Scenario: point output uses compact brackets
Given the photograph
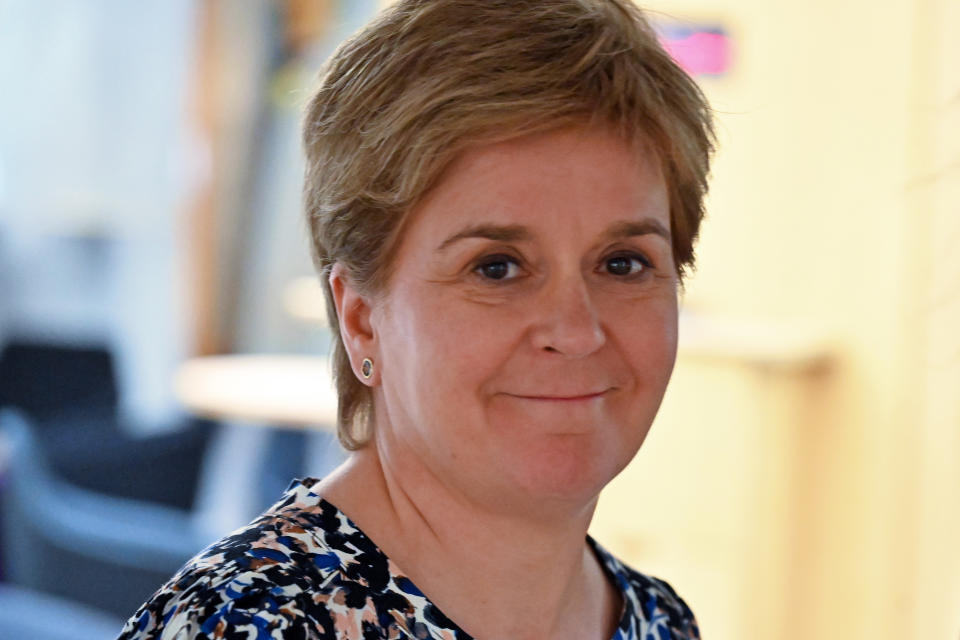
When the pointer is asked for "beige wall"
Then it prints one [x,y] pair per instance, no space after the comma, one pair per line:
[936,192]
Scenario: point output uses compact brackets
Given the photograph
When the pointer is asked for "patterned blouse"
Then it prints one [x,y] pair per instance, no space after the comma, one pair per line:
[304,571]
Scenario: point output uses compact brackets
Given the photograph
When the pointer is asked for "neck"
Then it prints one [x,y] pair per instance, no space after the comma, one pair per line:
[509,564]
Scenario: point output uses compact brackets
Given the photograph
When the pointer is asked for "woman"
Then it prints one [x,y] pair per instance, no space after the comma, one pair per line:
[503,196]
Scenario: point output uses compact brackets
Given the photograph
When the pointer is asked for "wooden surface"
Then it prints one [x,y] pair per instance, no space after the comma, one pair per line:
[275,389]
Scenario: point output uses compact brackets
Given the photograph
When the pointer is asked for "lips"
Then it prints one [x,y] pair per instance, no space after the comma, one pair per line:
[560,397]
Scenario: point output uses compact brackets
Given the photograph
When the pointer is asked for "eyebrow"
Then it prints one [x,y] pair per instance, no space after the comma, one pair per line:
[519,233]
[644,227]
[500,233]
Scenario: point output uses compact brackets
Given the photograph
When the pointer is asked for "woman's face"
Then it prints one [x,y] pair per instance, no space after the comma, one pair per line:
[529,327]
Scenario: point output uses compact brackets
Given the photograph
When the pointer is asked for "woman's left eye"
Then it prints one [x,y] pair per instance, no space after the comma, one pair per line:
[626,265]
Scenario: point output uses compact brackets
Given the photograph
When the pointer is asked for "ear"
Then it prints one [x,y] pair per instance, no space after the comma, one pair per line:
[356,330]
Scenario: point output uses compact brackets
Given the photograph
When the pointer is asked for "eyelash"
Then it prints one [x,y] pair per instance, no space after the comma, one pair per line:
[510,261]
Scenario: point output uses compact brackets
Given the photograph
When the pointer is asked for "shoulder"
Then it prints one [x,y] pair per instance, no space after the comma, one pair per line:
[279,577]
[652,606]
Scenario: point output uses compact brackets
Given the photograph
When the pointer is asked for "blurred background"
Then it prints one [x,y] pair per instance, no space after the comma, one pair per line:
[162,342]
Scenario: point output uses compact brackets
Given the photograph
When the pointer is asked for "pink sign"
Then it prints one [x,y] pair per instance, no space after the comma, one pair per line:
[703,51]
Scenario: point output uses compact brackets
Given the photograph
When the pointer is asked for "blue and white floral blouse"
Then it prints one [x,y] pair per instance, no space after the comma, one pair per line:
[304,571]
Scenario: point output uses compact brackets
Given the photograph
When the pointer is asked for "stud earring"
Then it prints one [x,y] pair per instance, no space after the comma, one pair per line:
[366,368]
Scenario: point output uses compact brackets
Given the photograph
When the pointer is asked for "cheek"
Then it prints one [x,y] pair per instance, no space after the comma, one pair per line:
[648,340]
[447,344]
[666,345]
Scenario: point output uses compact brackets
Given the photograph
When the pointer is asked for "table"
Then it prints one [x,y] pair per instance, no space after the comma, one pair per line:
[285,390]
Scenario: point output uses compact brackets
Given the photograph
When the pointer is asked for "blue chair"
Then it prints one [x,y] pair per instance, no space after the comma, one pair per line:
[44,379]
[29,615]
[104,551]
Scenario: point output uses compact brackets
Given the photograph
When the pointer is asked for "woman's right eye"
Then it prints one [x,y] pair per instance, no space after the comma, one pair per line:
[498,268]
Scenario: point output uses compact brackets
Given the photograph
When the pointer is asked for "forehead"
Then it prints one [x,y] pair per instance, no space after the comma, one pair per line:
[582,176]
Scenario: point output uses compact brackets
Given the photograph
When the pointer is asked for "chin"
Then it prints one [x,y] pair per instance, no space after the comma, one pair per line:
[568,468]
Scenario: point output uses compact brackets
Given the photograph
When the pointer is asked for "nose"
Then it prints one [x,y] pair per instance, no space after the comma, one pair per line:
[567,320]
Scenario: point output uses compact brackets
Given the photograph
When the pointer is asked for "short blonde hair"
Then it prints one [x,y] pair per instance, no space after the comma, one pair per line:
[428,78]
